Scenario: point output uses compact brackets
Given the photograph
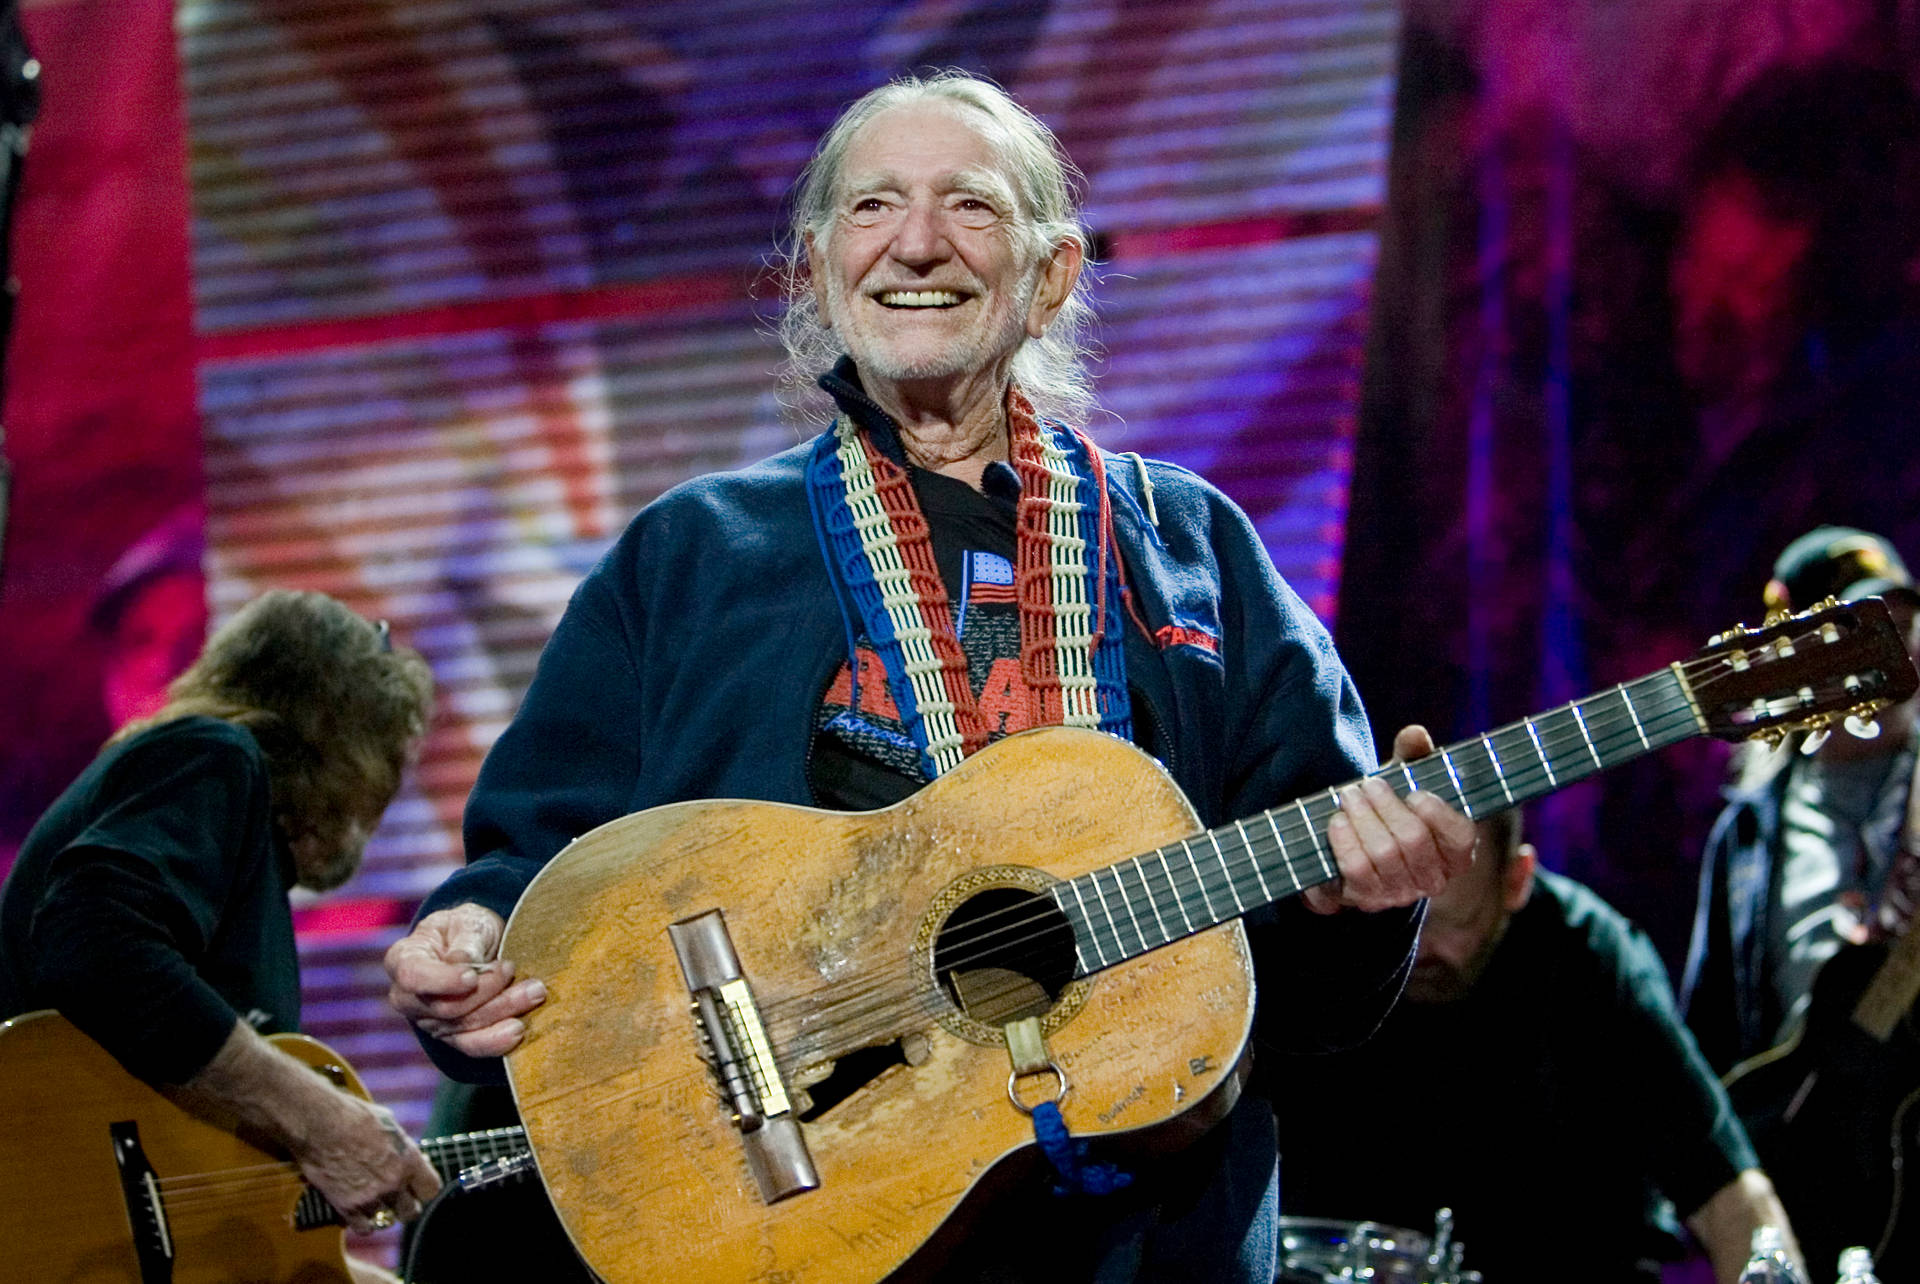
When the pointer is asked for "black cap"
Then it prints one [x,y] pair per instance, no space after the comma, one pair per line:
[1839,562]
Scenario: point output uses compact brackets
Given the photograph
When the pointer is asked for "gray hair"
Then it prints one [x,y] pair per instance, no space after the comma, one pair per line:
[1051,370]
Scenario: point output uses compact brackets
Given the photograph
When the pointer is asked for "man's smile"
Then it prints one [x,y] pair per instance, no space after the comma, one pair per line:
[920,298]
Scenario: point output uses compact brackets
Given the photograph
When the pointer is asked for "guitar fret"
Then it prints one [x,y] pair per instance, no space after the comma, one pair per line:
[1178,899]
[1535,737]
[1247,843]
[1326,866]
[1581,720]
[1119,946]
[1200,878]
[1153,902]
[1634,714]
[1413,786]
[1121,889]
[1093,935]
[1500,772]
[1286,859]
[1080,965]
[1226,869]
[1458,792]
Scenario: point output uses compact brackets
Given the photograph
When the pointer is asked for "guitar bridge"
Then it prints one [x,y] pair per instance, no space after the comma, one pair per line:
[152,1240]
[741,1057]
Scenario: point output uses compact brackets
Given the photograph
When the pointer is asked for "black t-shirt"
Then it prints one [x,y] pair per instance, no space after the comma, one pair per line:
[863,756]
[1551,1109]
[149,905]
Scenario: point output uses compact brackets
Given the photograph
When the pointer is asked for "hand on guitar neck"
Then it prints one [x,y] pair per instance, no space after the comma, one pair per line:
[449,980]
[1393,851]
[349,1149]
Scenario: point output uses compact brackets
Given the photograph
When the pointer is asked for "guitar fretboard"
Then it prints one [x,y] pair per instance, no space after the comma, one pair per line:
[1161,896]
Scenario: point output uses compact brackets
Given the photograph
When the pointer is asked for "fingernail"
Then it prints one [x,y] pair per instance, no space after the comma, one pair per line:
[537,991]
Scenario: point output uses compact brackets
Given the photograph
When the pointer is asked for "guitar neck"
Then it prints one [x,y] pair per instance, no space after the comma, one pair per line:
[450,1156]
[1890,995]
[1150,900]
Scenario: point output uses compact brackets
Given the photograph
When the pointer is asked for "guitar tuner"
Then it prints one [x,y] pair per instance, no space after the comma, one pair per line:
[1867,728]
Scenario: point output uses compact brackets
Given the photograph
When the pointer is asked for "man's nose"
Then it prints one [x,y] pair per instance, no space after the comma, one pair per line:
[921,237]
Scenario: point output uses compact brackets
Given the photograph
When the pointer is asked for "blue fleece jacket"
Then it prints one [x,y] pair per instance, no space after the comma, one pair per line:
[692,659]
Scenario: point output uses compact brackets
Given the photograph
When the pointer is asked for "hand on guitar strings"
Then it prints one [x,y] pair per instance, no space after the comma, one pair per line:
[1393,851]
[449,981]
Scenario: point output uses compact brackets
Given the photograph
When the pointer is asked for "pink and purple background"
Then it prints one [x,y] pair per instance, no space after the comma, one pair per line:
[417,301]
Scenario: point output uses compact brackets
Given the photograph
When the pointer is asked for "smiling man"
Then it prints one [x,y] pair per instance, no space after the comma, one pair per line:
[949,562]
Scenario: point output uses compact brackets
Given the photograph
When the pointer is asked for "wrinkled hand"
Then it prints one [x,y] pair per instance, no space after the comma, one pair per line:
[449,981]
[1393,851]
[355,1154]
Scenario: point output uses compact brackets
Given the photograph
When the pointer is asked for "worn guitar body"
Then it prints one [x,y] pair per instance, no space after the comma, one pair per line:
[1835,1117]
[63,1213]
[634,1140]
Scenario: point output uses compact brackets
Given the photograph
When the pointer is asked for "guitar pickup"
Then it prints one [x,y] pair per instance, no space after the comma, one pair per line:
[741,1057]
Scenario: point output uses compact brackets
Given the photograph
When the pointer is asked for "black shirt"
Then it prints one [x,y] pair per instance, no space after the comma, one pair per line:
[149,905]
[1550,1109]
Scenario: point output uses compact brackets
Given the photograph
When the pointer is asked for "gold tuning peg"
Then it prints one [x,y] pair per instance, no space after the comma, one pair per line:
[1737,631]
[1778,615]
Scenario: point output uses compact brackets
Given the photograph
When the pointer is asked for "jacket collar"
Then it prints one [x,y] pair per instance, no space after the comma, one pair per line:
[843,383]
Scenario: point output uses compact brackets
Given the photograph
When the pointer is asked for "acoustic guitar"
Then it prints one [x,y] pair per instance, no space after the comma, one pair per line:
[103,1179]
[793,1046]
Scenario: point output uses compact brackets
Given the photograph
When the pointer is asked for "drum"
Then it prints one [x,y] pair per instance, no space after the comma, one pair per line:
[1318,1250]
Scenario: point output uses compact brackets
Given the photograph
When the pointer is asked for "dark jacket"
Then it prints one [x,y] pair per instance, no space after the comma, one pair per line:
[691,661]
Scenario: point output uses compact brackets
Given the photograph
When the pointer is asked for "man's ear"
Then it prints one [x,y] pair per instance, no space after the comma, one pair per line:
[814,279]
[1516,881]
[1057,280]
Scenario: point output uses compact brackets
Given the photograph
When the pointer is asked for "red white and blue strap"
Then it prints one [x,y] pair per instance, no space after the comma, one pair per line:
[1071,639]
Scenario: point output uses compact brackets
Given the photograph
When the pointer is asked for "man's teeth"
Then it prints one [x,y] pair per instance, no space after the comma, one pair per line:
[919,298]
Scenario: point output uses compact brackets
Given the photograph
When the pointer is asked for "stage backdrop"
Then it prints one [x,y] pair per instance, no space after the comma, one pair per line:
[1645,312]
[472,282]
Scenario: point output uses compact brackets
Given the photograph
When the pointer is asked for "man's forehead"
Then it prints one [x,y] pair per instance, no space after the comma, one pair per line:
[971,178]
[953,146]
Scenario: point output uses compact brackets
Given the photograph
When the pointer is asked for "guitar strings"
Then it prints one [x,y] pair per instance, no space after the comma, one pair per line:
[859,1020]
[867,1010]
[871,1009]
[192,1197]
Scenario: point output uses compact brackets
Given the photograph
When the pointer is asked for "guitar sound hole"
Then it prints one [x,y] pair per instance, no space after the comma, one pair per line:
[1004,955]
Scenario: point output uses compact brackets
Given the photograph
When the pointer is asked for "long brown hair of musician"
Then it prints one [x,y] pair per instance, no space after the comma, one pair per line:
[336,709]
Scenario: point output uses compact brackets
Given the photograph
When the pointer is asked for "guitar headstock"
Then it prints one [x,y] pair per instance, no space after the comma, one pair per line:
[1801,672]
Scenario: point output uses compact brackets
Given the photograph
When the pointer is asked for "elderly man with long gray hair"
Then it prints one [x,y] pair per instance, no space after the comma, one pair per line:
[751,636]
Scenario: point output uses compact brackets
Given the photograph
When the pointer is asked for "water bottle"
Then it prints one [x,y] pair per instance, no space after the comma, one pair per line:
[1770,1263]
[1856,1267]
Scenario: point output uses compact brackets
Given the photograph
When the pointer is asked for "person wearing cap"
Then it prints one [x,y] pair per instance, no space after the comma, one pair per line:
[1811,851]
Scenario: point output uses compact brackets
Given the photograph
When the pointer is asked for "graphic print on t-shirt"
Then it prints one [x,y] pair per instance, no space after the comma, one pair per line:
[987,622]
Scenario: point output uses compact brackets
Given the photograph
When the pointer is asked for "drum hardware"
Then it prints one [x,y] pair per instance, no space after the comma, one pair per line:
[1317,1250]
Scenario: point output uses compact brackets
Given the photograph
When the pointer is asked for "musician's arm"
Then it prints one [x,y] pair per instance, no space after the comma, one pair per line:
[1297,726]
[1724,1225]
[135,899]
[1694,1145]
[350,1149]
[567,762]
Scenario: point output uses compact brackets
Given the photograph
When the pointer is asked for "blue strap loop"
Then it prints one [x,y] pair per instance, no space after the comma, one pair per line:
[1068,1157]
